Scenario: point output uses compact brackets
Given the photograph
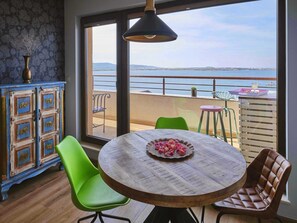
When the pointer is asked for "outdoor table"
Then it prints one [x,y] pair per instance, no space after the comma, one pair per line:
[213,172]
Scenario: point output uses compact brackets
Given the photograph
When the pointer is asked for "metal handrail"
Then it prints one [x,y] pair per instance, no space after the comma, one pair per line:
[166,85]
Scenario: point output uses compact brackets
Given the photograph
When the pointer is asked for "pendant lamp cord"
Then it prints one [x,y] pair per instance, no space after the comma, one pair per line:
[150,5]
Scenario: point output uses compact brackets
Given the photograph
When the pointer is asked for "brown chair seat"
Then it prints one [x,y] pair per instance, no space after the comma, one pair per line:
[267,176]
[246,199]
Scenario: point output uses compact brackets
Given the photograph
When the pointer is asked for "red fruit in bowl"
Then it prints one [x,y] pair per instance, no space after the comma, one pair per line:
[161,151]
[181,152]
[171,141]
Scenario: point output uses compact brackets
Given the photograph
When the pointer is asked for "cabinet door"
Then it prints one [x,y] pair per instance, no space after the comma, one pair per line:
[22,129]
[49,127]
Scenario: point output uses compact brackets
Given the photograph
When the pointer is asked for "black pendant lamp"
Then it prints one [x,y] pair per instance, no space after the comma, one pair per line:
[150,28]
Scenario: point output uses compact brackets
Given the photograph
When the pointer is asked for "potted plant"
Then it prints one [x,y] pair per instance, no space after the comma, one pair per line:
[194,92]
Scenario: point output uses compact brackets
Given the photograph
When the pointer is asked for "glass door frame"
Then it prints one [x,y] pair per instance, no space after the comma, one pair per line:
[122,77]
[123,82]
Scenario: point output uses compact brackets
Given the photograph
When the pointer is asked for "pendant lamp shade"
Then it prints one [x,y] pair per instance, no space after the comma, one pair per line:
[150,28]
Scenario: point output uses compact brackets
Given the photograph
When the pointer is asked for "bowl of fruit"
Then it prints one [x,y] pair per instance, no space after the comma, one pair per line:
[169,148]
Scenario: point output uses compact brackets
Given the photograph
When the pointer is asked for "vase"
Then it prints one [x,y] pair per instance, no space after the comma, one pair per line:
[27,76]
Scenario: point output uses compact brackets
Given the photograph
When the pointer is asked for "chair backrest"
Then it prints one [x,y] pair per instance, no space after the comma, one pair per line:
[171,123]
[223,95]
[76,162]
[99,100]
[270,172]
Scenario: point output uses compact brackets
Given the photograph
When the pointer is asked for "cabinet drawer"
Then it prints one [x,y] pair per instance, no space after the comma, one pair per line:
[49,99]
[22,103]
[49,124]
[48,147]
[22,158]
[22,130]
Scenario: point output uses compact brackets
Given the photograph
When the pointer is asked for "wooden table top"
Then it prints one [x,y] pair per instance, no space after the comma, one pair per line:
[215,171]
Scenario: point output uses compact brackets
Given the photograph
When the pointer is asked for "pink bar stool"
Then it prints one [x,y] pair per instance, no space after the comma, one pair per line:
[214,109]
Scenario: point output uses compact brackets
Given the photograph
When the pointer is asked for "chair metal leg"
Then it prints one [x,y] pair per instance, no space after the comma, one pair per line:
[193,215]
[219,217]
[259,220]
[222,126]
[94,216]
[202,214]
[100,217]
[207,124]
[114,217]
[104,121]
[235,122]
[200,123]
[214,124]
[230,126]
[94,219]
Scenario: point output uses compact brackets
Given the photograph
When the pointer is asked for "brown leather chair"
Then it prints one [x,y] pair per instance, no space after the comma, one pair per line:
[266,180]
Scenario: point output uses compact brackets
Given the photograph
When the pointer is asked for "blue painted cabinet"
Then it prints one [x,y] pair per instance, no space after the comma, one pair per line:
[31,124]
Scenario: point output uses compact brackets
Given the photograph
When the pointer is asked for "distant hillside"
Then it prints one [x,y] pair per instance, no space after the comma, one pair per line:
[112,67]
[104,66]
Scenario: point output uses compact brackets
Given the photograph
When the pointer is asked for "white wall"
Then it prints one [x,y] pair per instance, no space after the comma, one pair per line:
[74,9]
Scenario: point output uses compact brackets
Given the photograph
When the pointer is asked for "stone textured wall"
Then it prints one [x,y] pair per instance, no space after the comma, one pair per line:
[35,28]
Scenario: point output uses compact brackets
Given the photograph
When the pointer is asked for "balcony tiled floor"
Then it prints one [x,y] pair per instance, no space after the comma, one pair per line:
[110,129]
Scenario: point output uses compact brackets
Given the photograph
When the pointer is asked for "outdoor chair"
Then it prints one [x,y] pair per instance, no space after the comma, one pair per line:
[229,112]
[266,181]
[99,105]
[214,110]
[89,192]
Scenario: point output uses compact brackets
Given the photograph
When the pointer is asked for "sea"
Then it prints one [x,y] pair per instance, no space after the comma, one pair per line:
[106,80]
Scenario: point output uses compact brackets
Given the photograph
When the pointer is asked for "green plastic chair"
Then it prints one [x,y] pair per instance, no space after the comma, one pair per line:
[89,192]
[171,123]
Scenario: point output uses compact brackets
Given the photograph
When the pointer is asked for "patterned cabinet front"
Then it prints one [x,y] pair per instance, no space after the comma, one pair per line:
[49,127]
[22,131]
[31,125]
[22,158]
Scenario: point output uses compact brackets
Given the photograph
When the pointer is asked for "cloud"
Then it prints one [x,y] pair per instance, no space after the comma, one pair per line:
[231,35]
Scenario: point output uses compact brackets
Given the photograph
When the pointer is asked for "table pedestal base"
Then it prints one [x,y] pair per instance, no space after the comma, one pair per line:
[164,215]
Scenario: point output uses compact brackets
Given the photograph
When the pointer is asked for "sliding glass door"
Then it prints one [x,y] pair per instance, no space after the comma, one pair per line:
[100,86]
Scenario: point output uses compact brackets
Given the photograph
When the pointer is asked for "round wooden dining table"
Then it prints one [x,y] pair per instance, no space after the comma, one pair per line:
[214,171]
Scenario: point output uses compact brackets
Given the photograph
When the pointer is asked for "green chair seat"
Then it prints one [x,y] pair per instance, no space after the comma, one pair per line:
[89,191]
[99,198]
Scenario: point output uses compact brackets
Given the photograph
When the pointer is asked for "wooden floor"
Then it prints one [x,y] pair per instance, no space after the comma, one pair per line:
[46,198]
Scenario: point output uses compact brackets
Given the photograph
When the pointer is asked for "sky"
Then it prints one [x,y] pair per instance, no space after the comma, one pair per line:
[236,35]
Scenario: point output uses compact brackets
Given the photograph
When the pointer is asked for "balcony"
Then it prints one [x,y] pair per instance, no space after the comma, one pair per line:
[152,97]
